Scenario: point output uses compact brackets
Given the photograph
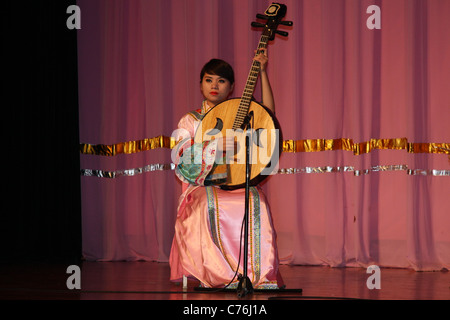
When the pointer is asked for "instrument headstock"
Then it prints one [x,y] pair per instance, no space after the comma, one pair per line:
[273,16]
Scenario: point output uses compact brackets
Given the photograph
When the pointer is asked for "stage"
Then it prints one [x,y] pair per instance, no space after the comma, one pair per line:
[363,173]
[149,281]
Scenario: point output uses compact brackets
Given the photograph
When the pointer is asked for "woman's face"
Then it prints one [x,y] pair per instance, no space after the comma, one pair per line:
[215,89]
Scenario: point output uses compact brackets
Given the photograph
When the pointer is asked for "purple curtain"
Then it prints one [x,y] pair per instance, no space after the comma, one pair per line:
[365,115]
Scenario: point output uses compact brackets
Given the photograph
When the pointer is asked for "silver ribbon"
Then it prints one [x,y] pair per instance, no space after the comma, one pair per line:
[327,169]
[401,167]
[127,172]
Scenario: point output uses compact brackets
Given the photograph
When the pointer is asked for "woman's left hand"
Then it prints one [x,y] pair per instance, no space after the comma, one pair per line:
[262,59]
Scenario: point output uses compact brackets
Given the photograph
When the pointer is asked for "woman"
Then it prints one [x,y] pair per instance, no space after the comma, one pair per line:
[208,227]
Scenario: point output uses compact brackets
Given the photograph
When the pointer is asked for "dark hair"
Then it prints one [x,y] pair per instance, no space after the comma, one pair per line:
[218,67]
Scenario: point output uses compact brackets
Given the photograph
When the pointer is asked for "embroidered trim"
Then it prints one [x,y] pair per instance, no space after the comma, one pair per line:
[212,215]
[268,285]
[214,220]
[197,114]
[256,234]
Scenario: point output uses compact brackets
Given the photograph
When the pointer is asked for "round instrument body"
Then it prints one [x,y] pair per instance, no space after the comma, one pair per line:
[265,141]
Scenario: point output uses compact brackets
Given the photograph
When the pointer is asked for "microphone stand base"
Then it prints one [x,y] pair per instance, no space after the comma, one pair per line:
[245,287]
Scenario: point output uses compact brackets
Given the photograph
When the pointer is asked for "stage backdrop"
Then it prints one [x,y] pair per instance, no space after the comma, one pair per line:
[362,96]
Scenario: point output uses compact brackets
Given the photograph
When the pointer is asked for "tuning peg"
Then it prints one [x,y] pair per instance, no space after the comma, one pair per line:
[257,25]
[262,16]
[281,33]
[286,23]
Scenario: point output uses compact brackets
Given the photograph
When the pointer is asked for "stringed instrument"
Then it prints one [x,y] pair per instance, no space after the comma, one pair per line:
[243,116]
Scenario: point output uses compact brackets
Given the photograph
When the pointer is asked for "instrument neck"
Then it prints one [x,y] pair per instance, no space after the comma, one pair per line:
[250,86]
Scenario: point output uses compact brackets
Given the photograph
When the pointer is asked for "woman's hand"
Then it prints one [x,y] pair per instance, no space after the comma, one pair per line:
[262,59]
[266,90]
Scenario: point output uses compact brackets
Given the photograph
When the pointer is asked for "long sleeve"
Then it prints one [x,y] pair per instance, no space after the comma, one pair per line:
[194,161]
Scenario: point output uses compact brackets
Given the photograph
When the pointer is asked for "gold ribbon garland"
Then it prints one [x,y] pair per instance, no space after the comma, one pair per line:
[127,147]
[292,146]
[314,145]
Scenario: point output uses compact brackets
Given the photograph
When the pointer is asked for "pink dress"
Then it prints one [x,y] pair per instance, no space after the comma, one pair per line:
[208,228]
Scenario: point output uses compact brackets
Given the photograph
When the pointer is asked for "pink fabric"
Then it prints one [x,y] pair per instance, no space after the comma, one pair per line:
[139,65]
[208,241]
[213,258]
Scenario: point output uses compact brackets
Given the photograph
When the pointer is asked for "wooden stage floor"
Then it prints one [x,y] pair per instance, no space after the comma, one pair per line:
[149,281]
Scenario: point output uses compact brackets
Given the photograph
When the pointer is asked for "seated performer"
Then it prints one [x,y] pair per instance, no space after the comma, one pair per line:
[208,227]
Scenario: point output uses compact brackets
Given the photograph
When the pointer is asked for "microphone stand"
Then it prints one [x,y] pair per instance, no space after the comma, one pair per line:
[245,285]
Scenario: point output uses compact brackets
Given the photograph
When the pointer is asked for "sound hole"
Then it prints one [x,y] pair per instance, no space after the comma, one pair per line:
[257,138]
[217,128]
